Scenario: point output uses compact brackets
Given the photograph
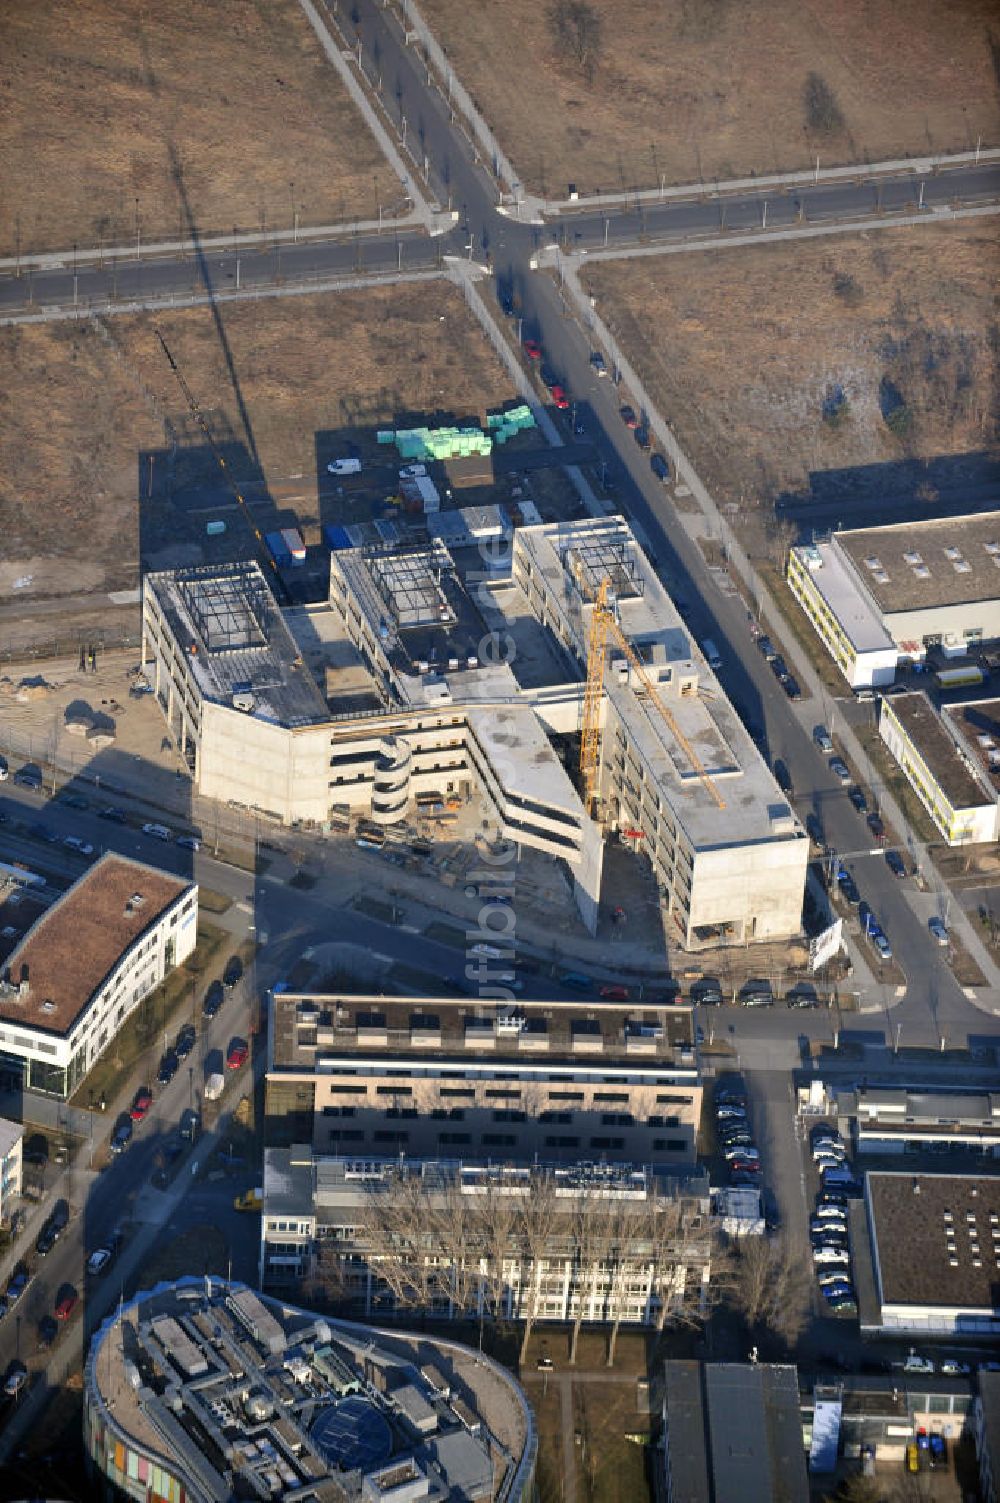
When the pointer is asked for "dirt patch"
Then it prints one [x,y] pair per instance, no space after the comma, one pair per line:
[685,90]
[101,460]
[217,115]
[774,362]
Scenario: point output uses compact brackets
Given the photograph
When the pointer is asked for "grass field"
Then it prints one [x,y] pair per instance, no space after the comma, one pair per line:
[742,351]
[217,115]
[686,89]
[98,449]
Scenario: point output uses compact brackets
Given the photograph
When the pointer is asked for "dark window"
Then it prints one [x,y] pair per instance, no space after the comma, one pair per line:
[561,1142]
[454,1137]
[499,1140]
[394,1090]
[607,1142]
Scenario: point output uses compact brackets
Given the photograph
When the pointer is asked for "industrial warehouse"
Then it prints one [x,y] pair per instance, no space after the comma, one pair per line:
[428,672]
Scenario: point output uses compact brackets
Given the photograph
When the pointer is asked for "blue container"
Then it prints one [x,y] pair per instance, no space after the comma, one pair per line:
[278,548]
[336,538]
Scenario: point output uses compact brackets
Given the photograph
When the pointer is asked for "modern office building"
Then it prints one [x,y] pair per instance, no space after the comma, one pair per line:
[935,1254]
[879,595]
[427,673]
[732,1433]
[465,1077]
[11,1141]
[958,789]
[86,964]
[612,1243]
[202,1391]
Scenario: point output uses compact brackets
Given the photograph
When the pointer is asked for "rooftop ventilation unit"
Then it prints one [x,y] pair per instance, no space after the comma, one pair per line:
[912,558]
[952,554]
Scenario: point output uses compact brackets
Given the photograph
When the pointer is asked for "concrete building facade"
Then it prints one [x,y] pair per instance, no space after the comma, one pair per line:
[418,677]
[86,964]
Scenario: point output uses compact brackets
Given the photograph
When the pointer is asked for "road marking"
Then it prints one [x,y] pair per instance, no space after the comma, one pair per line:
[901,991]
[411,928]
[244,907]
[970,993]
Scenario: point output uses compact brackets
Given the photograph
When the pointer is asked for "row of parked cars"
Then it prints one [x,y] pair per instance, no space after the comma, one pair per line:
[828,1227]
[734,1135]
[779,667]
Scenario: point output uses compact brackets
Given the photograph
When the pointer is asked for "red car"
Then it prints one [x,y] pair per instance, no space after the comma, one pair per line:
[140,1106]
[629,418]
[532,349]
[614,993]
[66,1305]
[237,1055]
[560,398]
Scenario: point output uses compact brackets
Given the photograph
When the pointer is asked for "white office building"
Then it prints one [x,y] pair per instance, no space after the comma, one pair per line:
[423,675]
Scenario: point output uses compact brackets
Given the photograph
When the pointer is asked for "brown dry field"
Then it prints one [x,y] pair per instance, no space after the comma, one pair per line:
[692,89]
[81,415]
[109,101]
[739,348]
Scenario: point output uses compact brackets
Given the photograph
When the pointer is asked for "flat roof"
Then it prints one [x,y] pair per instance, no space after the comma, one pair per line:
[831,576]
[686,1432]
[949,768]
[75,944]
[230,1387]
[11,1134]
[918,1263]
[227,624]
[917,565]
[977,725]
[570,556]
[428,1029]
[755,1428]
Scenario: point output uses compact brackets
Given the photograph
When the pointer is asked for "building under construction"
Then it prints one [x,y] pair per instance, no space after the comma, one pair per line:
[432,673]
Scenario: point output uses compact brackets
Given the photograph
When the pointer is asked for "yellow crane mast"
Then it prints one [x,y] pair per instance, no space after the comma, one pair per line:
[604,622]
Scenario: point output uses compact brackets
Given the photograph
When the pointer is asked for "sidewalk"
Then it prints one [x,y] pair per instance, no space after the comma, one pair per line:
[771,618]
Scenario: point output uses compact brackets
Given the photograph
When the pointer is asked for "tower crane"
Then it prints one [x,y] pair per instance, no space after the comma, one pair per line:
[604,623]
[220,460]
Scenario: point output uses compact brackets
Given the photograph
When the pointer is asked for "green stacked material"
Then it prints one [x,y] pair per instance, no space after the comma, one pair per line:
[385,436]
[449,443]
[509,422]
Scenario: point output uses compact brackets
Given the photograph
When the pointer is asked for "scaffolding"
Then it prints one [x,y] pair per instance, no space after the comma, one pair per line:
[228,605]
[409,585]
[605,558]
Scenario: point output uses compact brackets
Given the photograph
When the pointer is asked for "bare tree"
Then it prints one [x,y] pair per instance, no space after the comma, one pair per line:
[576,27]
[538,1213]
[690,1272]
[770,1285]
[497,1219]
[395,1228]
[625,1259]
[587,1241]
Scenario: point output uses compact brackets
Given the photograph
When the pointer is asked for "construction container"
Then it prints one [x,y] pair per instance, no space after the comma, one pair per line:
[293,542]
[278,548]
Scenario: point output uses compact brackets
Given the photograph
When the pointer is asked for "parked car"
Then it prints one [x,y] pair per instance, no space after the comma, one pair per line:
[858,799]
[532,349]
[236,1055]
[883,947]
[19,1282]
[914,1363]
[214,998]
[185,1041]
[939,931]
[66,1303]
[659,467]
[840,769]
[642,438]
[233,972]
[27,778]
[559,397]
[121,1137]
[614,993]
[767,647]
[895,863]
[814,829]
[141,1103]
[157,832]
[877,827]
[849,888]
[790,684]
[114,816]
[188,842]
[597,361]
[756,994]
[823,739]
[169,1066]
[15,1379]
[74,843]
[954,1369]
[99,1260]
[46,1239]
[628,417]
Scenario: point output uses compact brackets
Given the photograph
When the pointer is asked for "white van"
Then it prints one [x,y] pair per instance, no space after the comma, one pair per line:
[344,467]
[711,653]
